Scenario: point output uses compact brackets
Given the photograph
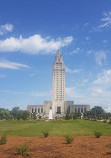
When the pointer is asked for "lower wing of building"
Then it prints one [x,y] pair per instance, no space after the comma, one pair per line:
[60,111]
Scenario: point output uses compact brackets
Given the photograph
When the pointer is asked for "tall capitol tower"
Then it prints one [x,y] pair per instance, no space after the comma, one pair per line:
[58,107]
[58,85]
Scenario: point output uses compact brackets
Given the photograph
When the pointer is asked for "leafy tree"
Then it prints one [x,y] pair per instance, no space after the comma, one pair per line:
[25,115]
[19,115]
[87,115]
[5,114]
[97,112]
[15,112]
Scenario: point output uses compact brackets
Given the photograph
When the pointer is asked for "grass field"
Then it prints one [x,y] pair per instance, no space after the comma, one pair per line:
[55,128]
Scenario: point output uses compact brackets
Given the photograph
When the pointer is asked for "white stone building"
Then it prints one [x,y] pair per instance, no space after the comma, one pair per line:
[58,104]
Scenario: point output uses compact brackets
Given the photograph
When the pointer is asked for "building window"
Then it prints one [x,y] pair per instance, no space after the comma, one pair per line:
[78,110]
[38,110]
[81,110]
[58,110]
[32,110]
[85,110]
[35,110]
[68,110]
[41,110]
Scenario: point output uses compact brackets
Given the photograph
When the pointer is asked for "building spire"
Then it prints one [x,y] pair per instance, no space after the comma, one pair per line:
[58,53]
[59,56]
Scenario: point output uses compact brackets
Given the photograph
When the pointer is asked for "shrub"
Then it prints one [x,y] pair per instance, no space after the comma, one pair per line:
[46,134]
[108,153]
[75,117]
[110,122]
[105,121]
[23,150]
[3,140]
[97,134]
[68,139]
[109,145]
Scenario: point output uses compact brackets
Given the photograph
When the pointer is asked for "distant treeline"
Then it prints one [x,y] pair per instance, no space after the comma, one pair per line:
[98,112]
[14,114]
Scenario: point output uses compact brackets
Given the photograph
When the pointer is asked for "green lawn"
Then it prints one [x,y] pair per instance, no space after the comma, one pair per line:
[55,128]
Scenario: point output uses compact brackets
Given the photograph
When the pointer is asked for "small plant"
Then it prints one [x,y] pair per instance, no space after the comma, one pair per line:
[3,140]
[97,134]
[68,139]
[23,150]
[109,145]
[108,153]
[46,134]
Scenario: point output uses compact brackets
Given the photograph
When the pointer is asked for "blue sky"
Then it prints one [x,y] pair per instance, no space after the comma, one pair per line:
[31,32]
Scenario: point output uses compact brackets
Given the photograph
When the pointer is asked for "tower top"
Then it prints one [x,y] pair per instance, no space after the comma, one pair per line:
[59,53]
[59,56]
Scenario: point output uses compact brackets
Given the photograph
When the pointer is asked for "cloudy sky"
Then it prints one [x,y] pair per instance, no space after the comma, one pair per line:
[31,32]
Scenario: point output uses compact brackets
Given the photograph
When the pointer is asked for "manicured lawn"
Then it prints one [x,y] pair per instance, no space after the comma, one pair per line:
[55,128]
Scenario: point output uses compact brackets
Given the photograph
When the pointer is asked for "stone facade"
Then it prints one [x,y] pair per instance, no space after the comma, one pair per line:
[58,91]
[58,104]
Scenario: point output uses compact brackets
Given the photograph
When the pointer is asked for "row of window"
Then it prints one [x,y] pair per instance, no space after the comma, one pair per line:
[79,110]
[37,110]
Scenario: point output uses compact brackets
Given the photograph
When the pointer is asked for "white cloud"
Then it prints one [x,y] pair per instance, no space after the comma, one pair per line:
[101,89]
[106,20]
[71,92]
[6,28]
[86,24]
[34,44]
[41,94]
[2,76]
[104,41]
[100,57]
[87,38]
[33,74]
[33,93]
[104,78]
[85,81]
[76,51]
[97,93]
[71,71]
[108,108]
[11,65]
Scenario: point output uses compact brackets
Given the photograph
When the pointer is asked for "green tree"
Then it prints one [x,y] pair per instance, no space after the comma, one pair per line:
[25,115]
[5,114]
[15,112]
[97,112]
[19,114]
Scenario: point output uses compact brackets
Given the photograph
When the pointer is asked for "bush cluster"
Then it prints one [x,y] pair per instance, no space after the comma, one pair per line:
[105,121]
[97,134]
[3,140]
[68,139]
[46,134]
[23,150]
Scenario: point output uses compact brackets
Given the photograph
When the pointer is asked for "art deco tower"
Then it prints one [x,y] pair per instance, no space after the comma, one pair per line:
[58,85]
